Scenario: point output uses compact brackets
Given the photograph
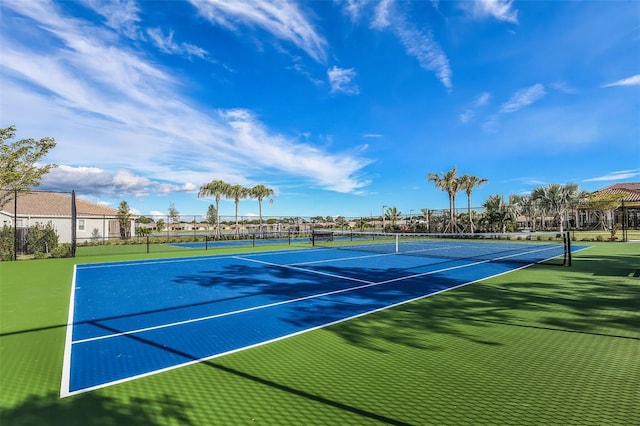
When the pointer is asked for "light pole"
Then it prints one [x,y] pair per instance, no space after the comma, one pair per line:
[383,207]
[411,217]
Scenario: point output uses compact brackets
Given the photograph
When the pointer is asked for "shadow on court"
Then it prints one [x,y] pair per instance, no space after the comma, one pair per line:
[95,409]
[584,306]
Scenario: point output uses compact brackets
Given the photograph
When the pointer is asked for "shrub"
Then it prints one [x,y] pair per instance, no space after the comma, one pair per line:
[63,250]
[41,238]
[6,243]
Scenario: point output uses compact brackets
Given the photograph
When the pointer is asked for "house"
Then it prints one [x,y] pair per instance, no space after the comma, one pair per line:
[93,221]
[629,207]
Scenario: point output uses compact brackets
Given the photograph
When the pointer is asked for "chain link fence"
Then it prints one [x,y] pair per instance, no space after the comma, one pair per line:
[47,223]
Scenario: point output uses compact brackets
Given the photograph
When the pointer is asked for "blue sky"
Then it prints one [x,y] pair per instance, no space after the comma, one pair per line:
[340,107]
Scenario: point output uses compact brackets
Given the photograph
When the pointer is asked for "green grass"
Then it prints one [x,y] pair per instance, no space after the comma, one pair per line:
[544,345]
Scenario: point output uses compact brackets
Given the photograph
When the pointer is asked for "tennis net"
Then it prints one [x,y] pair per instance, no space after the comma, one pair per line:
[535,247]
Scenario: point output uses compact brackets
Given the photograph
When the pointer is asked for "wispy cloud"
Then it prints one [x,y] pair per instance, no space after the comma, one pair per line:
[424,48]
[341,80]
[418,43]
[107,98]
[469,113]
[498,9]
[523,98]
[564,87]
[634,80]
[282,19]
[616,175]
[380,19]
[167,45]
[120,15]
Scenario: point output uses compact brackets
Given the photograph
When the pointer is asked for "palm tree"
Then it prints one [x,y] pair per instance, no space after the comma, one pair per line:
[260,192]
[393,215]
[540,200]
[556,199]
[217,188]
[427,214]
[528,207]
[468,183]
[497,213]
[450,183]
[236,193]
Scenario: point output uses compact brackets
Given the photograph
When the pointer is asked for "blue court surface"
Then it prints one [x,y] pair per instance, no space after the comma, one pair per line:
[132,319]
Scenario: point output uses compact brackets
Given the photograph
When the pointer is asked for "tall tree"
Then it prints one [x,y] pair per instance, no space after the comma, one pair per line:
[124,219]
[218,189]
[212,214]
[236,193]
[260,192]
[20,167]
[540,202]
[556,199]
[450,183]
[392,215]
[603,205]
[427,214]
[468,183]
[174,215]
[497,214]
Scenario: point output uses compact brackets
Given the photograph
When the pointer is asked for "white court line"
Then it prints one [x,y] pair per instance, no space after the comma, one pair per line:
[66,361]
[65,392]
[151,262]
[282,302]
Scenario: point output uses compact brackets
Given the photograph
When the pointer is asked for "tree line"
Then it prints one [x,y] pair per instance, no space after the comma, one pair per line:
[21,168]
[553,200]
[220,189]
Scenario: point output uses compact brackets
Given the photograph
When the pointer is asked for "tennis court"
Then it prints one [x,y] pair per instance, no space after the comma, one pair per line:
[133,319]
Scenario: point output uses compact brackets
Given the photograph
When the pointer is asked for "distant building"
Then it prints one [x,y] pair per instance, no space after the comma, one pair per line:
[629,207]
[93,221]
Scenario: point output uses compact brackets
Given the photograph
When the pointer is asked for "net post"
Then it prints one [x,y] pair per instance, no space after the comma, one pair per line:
[397,243]
[15,224]
[74,219]
[567,249]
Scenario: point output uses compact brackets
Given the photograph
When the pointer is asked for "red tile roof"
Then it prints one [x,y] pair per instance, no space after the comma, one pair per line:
[632,189]
[54,204]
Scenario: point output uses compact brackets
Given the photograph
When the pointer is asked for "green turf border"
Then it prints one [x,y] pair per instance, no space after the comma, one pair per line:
[543,345]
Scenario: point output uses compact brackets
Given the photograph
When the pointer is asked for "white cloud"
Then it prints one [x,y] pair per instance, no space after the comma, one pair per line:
[282,19]
[337,172]
[99,101]
[634,80]
[381,16]
[167,45]
[523,98]
[341,80]
[96,181]
[121,15]
[616,175]
[469,113]
[353,8]
[498,9]
[563,87]
[417,42]
[424,48]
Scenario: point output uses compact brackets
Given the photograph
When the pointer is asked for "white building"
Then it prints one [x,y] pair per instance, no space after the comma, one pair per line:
[92,220]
